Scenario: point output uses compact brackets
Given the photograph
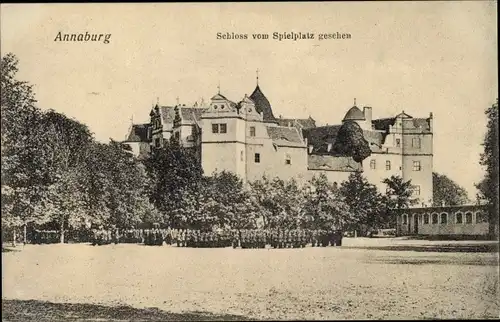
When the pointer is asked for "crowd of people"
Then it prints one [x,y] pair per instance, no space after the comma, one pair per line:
[242,238]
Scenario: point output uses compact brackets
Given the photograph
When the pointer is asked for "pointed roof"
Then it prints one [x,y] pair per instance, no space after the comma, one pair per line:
[219,96]
[262,105]
[138,133]
[403,115]
[353,114]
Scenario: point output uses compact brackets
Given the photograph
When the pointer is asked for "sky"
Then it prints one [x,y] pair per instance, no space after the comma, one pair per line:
[417,57]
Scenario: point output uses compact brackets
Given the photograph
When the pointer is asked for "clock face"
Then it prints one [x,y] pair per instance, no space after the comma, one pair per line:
[249,110]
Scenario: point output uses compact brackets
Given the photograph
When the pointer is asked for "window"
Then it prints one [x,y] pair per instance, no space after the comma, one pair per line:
[416,190]
[444,218]
[458,218]
[416,166]
[405,219]
[177,135]
[415,142]
[434,218]
[468,218]
[157,142]
[335,185]
[252,130]
[288,159]
[223,128]
[257,157]
[426,219]
[215,128]
[241,156]
[398,143]
[372,164]
[388,165]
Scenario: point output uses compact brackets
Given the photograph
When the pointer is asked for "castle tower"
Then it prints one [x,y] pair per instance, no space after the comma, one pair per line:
[417,154]
[223,137]
[360,117]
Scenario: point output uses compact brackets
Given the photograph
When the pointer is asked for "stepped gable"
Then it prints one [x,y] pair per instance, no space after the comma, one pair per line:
[138,133]
[262,105]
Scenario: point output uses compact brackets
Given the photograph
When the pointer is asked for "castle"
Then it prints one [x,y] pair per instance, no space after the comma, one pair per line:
[247,139]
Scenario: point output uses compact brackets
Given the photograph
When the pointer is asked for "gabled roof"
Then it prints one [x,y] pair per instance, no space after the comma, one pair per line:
[383,124]
[354,114]
[138,133]
[287,136]
[324,136]
[262,105]
[320,137]
[191,114]
[332,163]
[219,96]
[404,115]
[304,123]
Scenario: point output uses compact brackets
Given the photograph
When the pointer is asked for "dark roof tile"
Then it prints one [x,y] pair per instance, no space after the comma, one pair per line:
[138,133]
[262,105]
[332,163]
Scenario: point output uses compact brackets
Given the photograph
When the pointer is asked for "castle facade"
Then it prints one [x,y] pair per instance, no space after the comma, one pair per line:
[247,139]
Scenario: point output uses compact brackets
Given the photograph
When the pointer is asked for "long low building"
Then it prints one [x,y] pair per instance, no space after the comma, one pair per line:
[457,221]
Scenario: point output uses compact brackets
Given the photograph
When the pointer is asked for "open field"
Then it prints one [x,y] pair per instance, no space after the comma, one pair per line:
[368,278]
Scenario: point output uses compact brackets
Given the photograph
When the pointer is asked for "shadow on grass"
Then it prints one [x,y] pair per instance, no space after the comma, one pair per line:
[32,310]
[433,261]
[487,248]
[8,250]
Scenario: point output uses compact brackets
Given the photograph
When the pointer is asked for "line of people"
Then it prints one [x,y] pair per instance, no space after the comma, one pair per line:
[244,238]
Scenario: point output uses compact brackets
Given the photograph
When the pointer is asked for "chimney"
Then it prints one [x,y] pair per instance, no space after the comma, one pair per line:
[367,111]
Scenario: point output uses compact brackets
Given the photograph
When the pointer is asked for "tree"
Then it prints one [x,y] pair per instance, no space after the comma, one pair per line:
[399,194]
[280,202]
[488,187]
[22,180]
[447,191]
[175,175]
[351,141]
[366,204]
[324,206]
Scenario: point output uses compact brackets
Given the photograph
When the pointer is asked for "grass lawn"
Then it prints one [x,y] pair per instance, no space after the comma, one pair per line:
[364,279]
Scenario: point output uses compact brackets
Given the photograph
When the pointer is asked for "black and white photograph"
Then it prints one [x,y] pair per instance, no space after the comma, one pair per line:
[233,161]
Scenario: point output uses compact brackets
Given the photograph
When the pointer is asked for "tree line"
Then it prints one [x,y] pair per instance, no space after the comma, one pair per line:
[55,173]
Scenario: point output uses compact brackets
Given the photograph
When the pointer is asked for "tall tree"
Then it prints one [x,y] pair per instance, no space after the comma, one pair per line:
[175,173]
[22,179]
[399,194]
[351,141]
[446,191]
[324,206]
[488,187]
[366,204]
